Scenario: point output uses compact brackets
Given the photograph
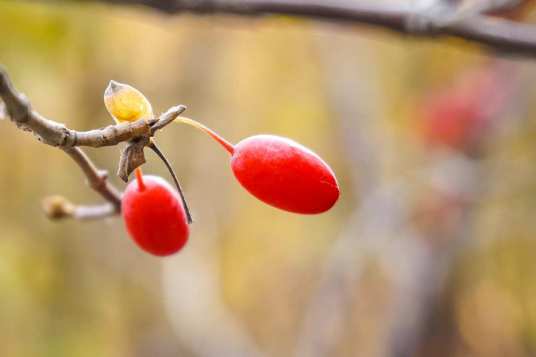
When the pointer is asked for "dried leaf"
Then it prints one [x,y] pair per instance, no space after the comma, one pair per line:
[132,157]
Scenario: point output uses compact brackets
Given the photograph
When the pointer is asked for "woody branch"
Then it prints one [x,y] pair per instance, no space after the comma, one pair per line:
[443,20]
[17,108]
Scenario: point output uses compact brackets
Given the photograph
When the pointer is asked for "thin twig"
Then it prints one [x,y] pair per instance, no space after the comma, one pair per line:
[18,109]
[167,117]
[53,133]
[97,179]
[58,207]
[498,34]
[94,212]
[495,5]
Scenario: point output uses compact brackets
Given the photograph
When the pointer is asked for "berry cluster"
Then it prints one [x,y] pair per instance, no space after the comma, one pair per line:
[276,170]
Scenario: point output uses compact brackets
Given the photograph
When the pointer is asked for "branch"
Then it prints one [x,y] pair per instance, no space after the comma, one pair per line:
[494,6]
[97,179]
[57,207]
[497,34]
[18,109]
[53,133]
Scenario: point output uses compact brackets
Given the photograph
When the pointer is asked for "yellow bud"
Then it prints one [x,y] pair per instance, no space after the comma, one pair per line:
[56,207]
[126,103]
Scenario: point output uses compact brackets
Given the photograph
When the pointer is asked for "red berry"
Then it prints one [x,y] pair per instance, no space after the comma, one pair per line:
[460,115]
[284,174]
[154,215]
[280,171]
[453,121]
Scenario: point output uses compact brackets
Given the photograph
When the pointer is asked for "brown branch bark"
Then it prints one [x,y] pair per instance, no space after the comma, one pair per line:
[497,34]
[97,179]
[50,132]
[57,207]
[18,109]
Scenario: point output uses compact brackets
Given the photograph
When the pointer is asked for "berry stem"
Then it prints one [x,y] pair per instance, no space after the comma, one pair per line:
[226,145]
[139,179]
[152,146]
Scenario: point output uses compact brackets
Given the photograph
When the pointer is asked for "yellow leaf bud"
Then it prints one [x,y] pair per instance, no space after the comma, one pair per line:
[125,103]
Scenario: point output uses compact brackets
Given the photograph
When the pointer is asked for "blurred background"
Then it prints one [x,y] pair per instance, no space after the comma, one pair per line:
[429,251]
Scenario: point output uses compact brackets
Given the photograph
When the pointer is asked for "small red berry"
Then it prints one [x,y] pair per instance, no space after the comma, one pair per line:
[284,174]
[154,215]
[460,115]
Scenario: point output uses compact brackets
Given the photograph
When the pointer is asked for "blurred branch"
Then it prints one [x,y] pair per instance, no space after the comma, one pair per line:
[489,6]
[485,6]
[97,179]
[420,268]
[18,109]
[497,34]
[351,94]
[58,207]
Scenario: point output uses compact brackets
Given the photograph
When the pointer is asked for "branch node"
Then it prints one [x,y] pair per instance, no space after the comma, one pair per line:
[166,118]
[16,106]
[103,174]
[430,18]
[100,182]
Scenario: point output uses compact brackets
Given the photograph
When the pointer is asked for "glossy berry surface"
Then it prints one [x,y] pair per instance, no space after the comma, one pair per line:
[284,174]
[154,216]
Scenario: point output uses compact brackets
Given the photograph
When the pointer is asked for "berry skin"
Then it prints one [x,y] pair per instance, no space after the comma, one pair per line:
[154,216]
[284,174]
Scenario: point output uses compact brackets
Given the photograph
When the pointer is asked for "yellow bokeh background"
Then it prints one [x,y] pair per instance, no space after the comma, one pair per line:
[247,277]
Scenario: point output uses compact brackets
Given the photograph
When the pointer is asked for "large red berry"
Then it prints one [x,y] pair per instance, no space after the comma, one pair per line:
[280,171]
[154,216]
[284,174]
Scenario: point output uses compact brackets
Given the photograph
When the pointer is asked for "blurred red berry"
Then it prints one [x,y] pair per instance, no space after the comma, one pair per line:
[460,115]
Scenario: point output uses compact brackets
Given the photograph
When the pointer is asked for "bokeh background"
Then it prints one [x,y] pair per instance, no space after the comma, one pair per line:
[430,250]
